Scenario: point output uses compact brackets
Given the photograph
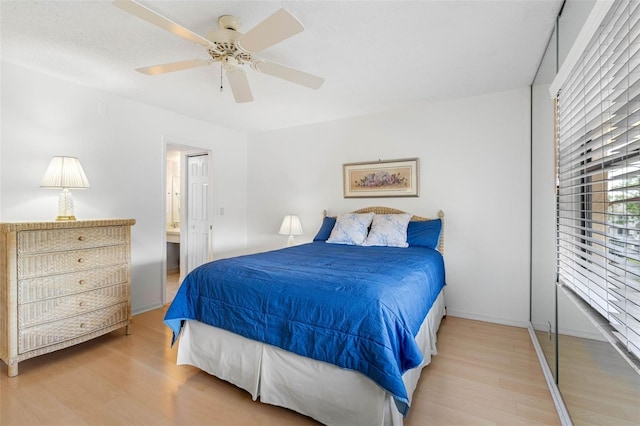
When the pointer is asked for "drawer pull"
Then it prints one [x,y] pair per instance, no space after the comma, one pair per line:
[81,304]
[81,325]
[80,260]
[81,238]
[82,282]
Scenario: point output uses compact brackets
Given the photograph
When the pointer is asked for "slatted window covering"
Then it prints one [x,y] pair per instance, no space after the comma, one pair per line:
[599,174]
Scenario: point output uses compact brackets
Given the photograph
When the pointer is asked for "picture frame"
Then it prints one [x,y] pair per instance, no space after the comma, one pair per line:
[378,179]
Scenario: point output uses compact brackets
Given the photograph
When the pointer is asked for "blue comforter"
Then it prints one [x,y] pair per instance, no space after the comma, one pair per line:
[352,306]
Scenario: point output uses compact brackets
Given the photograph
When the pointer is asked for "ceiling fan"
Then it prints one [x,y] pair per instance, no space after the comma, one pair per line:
[231,48]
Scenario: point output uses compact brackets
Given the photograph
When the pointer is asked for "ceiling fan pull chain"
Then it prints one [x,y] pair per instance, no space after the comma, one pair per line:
[220,77]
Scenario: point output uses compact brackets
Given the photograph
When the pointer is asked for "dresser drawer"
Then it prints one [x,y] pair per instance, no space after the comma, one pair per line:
[30,314]
[51,240]
[47,287]
[35,265]
[40,336]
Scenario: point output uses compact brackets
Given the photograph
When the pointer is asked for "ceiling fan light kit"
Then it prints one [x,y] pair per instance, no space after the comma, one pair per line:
[231,48]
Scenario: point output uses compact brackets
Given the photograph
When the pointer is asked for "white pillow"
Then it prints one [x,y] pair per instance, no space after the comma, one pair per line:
[389,230]
[351,228]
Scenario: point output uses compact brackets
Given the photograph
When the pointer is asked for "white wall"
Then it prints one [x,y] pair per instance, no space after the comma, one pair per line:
[474,156]
[474,163]
[121,146]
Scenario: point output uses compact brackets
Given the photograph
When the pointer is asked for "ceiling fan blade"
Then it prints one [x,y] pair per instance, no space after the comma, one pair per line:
[239,84]
[289,74]
[277,27]
[174,66]
[156,19]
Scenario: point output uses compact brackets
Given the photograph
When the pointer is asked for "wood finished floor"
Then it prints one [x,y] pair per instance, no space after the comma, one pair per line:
[173,283]
[484,374]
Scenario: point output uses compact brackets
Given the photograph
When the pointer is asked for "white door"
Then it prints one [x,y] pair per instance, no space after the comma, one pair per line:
[198,211]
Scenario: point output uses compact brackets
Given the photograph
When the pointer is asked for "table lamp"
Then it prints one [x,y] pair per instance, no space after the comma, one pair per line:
[65,173]
[290,226]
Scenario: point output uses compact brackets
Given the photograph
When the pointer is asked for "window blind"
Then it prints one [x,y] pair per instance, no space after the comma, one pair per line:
[599,174]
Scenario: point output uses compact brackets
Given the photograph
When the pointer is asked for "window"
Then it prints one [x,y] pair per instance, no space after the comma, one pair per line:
[599,174]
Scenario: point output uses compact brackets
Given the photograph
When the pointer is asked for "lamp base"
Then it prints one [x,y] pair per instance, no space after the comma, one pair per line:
[65,206]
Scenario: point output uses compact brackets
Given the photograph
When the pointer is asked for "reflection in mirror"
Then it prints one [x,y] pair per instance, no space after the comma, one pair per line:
[173,188]
[543,204]
[598,385]
[598,330]
[570,22]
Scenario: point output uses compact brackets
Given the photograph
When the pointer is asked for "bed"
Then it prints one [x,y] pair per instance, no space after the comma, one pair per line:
[337,329]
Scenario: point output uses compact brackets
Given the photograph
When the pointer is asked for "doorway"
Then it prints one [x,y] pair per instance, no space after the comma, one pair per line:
[173,221]
[187,213]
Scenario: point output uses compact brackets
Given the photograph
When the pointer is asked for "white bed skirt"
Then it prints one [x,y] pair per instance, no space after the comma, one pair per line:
[325,392]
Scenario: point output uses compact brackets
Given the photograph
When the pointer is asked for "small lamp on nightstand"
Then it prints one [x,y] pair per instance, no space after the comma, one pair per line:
[290,226]
[65,173]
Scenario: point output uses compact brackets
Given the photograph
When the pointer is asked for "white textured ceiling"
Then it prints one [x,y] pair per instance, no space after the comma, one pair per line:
[374,55]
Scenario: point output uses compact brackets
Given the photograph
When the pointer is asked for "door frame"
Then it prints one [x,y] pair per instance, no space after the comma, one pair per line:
[186,148]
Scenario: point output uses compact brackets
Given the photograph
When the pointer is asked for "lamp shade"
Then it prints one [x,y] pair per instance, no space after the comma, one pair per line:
[65,173]
[291,225]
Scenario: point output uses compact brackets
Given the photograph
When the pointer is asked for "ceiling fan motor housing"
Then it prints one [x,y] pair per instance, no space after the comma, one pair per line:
[224,41]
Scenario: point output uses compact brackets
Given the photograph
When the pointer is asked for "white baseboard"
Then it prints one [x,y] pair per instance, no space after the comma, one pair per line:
[147,308]
[496,320]
[595,335]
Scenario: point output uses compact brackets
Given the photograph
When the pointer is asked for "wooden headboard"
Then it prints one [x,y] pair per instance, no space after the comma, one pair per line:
[390,210]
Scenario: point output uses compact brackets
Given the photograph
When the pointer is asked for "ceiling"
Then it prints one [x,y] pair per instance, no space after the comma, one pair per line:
[374,55]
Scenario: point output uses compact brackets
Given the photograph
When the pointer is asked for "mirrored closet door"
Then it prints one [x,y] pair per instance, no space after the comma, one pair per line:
[586,323]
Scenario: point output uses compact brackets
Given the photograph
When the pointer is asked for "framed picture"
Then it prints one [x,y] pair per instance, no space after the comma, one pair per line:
[390,178]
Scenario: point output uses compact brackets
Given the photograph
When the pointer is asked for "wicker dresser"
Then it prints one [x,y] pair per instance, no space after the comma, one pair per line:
[62,283]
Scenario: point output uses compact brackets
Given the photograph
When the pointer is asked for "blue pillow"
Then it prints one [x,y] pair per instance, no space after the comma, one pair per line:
[424,233]
[326,228]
